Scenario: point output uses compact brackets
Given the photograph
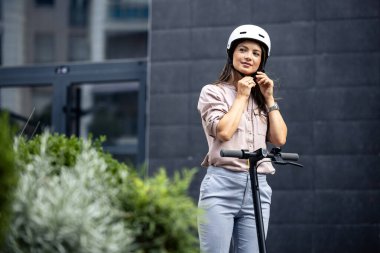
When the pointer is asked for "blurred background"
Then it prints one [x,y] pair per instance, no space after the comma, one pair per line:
[133,69]
[54,44]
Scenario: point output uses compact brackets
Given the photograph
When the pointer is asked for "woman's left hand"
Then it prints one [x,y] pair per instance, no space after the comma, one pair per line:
[266,86]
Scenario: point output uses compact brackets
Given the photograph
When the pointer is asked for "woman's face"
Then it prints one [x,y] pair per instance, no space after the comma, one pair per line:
[247,57]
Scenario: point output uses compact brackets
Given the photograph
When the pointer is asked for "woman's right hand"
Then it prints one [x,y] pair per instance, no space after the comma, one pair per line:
[245,85]
[230,121]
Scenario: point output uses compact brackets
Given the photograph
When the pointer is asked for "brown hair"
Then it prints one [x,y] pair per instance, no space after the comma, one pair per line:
[230,73]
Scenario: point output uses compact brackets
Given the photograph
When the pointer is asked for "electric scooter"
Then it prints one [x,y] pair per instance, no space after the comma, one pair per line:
[276,157]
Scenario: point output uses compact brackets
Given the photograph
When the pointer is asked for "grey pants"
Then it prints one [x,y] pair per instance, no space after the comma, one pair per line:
[228,213]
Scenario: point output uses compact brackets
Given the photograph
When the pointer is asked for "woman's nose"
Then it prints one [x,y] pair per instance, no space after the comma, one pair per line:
[248,57]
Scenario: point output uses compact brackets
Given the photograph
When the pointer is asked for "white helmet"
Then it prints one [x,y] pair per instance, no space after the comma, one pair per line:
[249,32]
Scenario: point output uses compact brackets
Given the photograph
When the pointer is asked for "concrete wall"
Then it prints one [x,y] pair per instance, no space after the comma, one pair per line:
[326,62]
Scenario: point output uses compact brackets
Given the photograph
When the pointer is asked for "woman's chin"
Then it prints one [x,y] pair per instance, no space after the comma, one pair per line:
[246,72]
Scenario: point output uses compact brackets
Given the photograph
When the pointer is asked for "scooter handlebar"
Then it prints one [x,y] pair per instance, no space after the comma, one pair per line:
[231,153]
[244,155]
[290,156]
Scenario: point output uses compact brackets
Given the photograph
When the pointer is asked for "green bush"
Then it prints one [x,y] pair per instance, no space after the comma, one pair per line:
[8,174]
[64,202]
[161,214]
[73,197]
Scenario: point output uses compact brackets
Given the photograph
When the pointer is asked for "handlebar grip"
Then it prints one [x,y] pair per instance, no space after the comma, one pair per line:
[290,156]
[231,153]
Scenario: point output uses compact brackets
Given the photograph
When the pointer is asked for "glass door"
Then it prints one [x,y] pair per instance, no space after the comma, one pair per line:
[98,98]
[108,109]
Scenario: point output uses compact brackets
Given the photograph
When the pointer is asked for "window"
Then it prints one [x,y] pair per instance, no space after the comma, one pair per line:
[48,3]
[79,13]
[128,9]
[78,48]
[109,109]
[43,48]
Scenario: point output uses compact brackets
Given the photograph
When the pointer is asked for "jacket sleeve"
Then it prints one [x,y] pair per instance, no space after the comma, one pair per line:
[212,107]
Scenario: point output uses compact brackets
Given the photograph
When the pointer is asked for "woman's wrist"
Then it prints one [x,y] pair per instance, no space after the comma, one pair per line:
[270,101]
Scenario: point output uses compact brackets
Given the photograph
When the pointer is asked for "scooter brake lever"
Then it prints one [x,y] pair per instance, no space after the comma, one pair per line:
[295,164]
[290,163]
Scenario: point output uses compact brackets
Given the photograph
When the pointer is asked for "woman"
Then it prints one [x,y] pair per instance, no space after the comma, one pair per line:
[238,112]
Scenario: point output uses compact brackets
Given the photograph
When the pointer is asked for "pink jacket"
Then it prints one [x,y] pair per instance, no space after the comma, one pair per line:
[215,101]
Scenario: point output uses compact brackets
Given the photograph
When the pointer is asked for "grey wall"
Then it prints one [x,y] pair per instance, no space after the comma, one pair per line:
[326,62]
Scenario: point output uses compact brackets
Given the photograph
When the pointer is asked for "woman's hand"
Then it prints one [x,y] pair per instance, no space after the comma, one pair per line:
[230,121]
[245,85]
[266,87]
